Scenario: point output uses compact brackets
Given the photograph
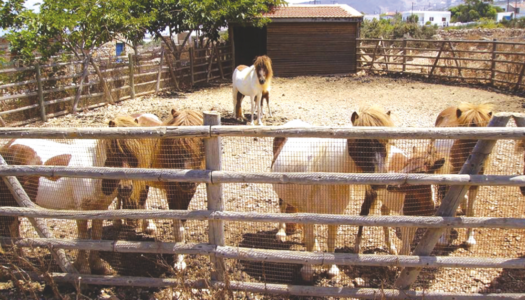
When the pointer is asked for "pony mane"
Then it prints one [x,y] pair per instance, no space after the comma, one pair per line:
[185,117]
[479,114]
[265,62]
[374,115]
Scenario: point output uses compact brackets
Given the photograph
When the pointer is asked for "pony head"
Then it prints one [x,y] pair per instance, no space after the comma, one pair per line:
[264,71]
[125,153]
[370,154]
[474,115]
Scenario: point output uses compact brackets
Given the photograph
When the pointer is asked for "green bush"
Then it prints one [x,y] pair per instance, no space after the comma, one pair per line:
[396,29]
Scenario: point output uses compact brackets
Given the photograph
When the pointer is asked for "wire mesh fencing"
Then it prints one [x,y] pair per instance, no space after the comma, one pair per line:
[305,155]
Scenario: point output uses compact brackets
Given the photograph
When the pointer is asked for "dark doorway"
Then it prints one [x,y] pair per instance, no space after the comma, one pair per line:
[249,43]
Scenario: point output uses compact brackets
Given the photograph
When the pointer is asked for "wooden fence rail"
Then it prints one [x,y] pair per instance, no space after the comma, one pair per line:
[130,73]
[214,177]
[451,60]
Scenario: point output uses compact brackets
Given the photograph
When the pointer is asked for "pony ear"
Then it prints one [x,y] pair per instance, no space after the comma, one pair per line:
[490,114]
[458,113]
[173,111]
[414,149]
[388,113]
[112,124]
[354,117]
[137,121]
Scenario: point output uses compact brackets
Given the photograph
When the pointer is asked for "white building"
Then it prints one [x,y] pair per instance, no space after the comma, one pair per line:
[440,18]
[371,17]
[504,15]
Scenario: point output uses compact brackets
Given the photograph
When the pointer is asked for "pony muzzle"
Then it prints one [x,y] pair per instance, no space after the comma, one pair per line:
[262,81]
[125,191]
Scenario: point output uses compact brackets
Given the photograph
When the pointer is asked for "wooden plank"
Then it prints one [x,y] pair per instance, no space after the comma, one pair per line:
[276,256]
[360,293]
[85,72]
[40,94]
[40,226]
[437,59]
[172,73]
[451,47]
[374,55]
[404,54]
[160,71]
[131,61]
[219,61]
[493,63]
[213,154]
[103,81]
[451,201]
[300,218]
[192,67]
[520,78]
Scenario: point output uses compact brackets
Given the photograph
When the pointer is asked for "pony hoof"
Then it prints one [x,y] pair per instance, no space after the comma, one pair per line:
[102,267]
[333,272]
[393,250]
[307,273]
[180,265]
[470,242]
[150,228]
[281,236]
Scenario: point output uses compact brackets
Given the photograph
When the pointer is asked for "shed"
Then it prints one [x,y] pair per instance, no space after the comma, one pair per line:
[302,40]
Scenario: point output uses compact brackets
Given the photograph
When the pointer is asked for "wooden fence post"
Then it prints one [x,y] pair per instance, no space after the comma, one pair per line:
[170,67]
[219,62]
[520,78]
[131,76]
[437,59]
[452,200]
[493,62]
[40,225]
[157,88]
[191,67]
[453,51]
[213,151]
[40,92]
[374,55]
[210,64]
[404,54]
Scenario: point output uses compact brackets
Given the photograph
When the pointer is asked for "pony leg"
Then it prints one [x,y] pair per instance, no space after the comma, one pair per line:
[254,98]
[332,237]
[281,231]
[81,263]
[117,223]
[98,265]
[472,195]
[234,94]
[370,198]
[259,110]
[307,272]
[385,211]
[238,107]
[178,233]
[267,96]
[407,235]
[148,226]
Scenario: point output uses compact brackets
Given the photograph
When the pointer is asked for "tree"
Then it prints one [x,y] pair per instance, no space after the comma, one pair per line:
[474,10]
[412,18]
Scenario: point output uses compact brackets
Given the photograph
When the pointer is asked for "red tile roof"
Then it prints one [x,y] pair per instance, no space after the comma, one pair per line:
[313,11]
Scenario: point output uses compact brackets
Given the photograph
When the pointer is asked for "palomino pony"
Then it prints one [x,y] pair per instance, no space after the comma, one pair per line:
[253,82]
[456,152]
[74,193]
[175,153]
[327,155]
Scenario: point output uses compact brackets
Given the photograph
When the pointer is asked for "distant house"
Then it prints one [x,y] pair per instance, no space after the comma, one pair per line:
[504,16]
[518,9]
[371,17]
[440,18]
[388,16]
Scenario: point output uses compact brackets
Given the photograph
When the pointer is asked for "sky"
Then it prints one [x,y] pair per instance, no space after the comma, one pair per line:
[29,4]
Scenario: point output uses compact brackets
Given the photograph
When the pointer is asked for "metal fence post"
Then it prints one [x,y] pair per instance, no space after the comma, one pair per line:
[213,151]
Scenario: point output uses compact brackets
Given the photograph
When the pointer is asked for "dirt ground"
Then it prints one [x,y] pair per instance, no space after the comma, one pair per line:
[329,101]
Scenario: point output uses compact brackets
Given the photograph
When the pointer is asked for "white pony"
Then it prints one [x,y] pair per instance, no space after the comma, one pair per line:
[252,82]
[327,155]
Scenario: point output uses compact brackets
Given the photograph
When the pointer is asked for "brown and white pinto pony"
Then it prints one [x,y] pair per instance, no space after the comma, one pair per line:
[73,193]
[175,153]
[327,155]
[254,82]
[456,152]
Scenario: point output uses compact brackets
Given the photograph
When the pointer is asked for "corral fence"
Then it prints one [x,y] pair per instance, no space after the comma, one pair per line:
[51,89]
[214,212]
[498,63]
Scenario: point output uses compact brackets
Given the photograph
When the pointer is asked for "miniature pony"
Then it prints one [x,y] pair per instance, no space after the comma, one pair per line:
[456,152]
[327,155]
[74,193]
[253,82]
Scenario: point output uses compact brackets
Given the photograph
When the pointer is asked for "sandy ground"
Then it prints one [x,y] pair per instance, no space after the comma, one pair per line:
[329,101]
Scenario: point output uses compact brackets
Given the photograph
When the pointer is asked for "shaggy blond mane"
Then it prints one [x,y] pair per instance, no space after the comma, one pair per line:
[264,62]
[185,117]
[471,115]
[373,115]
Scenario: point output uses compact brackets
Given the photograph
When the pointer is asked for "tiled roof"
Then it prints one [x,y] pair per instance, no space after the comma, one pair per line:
[313,11]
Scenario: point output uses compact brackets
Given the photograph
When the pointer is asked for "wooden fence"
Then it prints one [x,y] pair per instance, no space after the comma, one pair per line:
[32,93]
[500,64]
[214,178]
